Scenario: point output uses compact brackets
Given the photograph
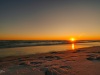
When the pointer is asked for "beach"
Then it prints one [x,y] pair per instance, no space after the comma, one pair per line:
[82,61]
[50,37]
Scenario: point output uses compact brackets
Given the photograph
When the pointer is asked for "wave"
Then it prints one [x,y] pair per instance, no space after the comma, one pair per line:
[23,43]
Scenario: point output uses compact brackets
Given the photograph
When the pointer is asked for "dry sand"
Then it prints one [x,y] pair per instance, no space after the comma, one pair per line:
[84,61]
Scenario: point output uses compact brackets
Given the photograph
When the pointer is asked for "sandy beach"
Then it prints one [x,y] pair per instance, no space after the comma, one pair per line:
[83,61]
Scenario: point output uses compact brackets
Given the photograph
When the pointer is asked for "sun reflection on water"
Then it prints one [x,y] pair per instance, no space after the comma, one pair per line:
[73,46]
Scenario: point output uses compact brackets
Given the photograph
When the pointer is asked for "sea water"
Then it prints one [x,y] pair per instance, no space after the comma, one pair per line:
[28,50]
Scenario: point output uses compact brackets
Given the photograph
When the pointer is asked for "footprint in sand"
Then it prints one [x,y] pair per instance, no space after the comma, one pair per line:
[24,64]
[93,58]
[53,57]
[65,67]
[35,63]
[20,59]
[50,58]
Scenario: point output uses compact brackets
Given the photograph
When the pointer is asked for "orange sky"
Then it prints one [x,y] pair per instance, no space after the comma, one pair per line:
[50,20]
[50,38]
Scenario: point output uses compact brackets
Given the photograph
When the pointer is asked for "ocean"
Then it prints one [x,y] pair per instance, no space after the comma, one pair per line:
[28,47]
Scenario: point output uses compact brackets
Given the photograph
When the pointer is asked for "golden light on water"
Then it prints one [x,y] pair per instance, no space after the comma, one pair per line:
[73,46]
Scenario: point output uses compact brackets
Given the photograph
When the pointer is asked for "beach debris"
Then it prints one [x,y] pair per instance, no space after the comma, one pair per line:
[50,72]
[55,71]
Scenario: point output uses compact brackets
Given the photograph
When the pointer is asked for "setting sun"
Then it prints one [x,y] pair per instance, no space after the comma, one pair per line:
[72,39]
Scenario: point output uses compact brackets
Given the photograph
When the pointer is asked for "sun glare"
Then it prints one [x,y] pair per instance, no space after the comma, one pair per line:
[72,39]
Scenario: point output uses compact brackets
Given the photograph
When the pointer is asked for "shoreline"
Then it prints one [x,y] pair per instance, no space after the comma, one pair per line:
[82,61]
[36,54]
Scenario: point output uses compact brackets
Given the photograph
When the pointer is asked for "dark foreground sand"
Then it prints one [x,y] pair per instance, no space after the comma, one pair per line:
[84,61]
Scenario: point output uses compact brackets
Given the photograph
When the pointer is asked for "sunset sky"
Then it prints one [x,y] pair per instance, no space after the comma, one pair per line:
[49,19]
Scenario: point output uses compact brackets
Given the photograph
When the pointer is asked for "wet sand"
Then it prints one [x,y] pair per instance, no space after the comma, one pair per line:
[83,61]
